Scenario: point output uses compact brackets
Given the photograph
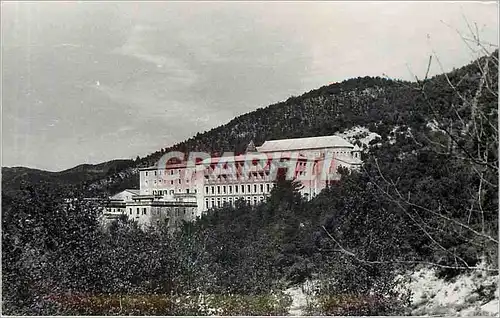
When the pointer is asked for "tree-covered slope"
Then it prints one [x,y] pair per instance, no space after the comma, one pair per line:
[14,177]
[376,103]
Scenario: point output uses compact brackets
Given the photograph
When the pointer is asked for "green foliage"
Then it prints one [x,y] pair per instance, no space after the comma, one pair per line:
[223,305]
[42,227]
[354,305]
[420,197]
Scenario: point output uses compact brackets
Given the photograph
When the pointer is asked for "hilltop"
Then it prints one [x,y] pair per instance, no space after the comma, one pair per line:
[380,105]
[14,177]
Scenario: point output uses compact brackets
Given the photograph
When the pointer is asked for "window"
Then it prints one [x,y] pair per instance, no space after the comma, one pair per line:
[267,187]
[224,189]
[187,190]
[212,203]
[171,191]
[249,190]
[213,189]
[155,181]
[206,204]
[218,189]
[218,202]
[230,189]
[146,173]
[137,211]
[130,210]
[171,182]
[255,200]
[261,188]
[155,172]
[179,181]
[235,189]
[242,188]
[144,211]
[254,188]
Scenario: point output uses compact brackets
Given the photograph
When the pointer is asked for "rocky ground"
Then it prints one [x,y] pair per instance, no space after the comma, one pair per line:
[471,294]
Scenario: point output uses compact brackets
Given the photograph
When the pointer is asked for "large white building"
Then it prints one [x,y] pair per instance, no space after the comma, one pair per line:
[171,192]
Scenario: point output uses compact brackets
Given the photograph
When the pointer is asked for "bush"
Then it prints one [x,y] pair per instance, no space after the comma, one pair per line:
[226,305]
[354,305]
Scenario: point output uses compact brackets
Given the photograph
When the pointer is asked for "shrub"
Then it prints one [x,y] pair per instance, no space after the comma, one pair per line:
[227,305]
[354,305]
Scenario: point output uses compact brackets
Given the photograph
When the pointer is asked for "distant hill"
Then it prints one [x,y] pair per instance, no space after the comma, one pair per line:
[14,177]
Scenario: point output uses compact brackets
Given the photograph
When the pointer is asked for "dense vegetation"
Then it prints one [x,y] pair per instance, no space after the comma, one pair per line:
[426,195]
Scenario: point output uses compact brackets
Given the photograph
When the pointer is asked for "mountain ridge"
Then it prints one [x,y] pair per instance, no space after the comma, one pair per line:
[374,102]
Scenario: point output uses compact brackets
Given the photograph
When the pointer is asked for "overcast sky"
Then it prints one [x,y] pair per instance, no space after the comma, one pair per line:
[86,82]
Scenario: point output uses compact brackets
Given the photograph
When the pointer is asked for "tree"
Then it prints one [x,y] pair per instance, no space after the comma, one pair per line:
[444,178]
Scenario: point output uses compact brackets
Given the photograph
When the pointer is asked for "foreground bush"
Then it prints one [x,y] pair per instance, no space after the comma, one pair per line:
[354,305]
[227,305]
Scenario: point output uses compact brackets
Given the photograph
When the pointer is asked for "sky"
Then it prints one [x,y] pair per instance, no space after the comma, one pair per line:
[87,82]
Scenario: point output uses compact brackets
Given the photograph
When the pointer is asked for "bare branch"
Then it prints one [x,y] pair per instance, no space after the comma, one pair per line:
[440,215]
[344,251]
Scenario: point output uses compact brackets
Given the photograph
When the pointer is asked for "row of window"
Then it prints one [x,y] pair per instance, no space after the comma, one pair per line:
[257,176]
[165,192]
[239,189]
[219,202]
[114,210]
[158,172]
[260,174]
[157,181]
[177,211]
[137,211]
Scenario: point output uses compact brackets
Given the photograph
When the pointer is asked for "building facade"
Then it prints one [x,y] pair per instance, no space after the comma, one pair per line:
[185,189]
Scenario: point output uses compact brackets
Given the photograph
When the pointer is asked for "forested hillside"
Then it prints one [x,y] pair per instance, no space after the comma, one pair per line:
[427,195]
[376,103]
[13,178]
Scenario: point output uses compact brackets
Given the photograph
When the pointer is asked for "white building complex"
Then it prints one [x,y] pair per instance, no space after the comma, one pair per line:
[178,190]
